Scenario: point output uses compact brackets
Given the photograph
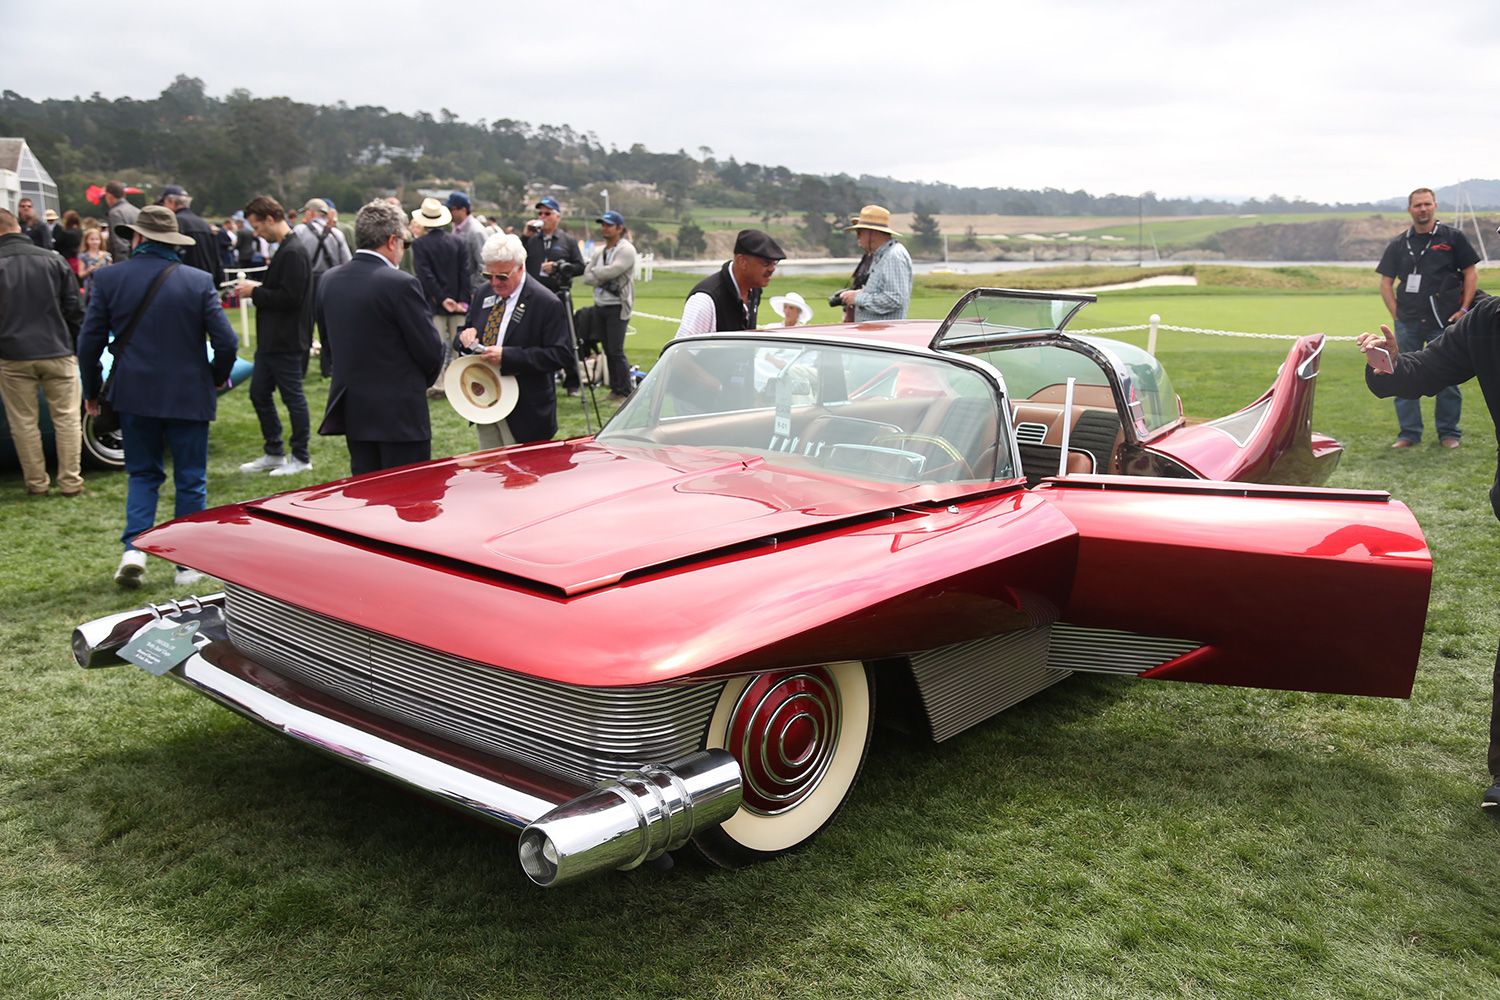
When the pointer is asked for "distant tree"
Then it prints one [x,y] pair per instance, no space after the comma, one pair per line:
[925,231]
[690,241]
[970,242]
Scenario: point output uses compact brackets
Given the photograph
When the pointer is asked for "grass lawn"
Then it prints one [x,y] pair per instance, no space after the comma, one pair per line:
[1110,838]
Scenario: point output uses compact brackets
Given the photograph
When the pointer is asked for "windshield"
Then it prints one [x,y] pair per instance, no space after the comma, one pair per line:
[986,312]
[854,412]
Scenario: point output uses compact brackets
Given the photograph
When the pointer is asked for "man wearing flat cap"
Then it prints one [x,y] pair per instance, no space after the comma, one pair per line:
[886,294]
[730,299]
[162,382]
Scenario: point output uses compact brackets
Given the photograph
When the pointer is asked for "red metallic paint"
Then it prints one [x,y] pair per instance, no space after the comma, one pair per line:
[1277,584]
[908,579]
[783,732]
[1281,449]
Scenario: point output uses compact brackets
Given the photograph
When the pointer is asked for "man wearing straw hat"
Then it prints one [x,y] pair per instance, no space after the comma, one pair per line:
[162,382]
[442,261]
[887,293]
[384,353]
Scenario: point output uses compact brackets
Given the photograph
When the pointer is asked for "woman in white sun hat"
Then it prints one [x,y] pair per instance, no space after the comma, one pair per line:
[792,308]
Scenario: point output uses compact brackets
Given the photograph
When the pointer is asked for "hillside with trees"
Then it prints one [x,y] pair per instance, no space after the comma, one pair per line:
[226,149]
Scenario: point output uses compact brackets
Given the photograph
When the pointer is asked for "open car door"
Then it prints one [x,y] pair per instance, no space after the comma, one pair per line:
[1287,587]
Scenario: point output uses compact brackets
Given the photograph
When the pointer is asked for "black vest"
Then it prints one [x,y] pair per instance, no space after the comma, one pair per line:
[729,312]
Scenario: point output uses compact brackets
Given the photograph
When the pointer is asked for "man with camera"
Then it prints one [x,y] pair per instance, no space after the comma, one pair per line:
[886,294]
[553,259]
[611,271]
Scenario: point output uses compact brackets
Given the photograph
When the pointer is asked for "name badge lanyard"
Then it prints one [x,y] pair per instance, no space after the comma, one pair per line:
[1414,279]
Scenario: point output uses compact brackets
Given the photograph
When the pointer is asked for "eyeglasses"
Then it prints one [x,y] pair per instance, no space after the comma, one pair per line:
[545,211]
[508,275]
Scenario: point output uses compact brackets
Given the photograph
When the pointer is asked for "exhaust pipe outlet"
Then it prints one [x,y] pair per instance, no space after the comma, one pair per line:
[632,819]
[96,643]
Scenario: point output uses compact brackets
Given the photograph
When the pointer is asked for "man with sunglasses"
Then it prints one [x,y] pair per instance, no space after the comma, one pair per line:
[729,299]
[384,353]
[521,328]
[547,247]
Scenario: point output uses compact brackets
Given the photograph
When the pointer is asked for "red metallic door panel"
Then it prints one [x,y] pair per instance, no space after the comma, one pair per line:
[1281,586]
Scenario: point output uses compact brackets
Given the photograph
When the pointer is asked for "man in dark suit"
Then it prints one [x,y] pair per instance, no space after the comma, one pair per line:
[554,260]
[384,352]
[521,327]
[162,382]
[442,261]
[204,254]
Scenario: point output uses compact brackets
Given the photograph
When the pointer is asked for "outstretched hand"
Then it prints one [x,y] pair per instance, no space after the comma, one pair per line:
[1385,339]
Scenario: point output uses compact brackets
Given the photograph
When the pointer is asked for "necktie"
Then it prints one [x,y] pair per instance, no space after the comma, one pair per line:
[492,325]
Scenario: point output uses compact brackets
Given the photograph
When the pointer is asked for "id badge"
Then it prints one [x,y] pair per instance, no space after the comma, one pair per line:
[1413,283]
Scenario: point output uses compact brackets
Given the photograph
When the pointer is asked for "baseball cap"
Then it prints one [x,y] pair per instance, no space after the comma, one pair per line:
[458,200]
[613,218]
[550,203]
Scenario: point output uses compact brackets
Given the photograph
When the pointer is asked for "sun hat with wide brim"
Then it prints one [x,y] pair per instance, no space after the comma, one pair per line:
[156,222]
[478,391]
[433,214]
[874,217]
[780,302]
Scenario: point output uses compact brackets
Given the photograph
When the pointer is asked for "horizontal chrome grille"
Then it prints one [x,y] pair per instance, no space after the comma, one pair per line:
[1107,651]
[1030,433]
[964,684]
[581,733]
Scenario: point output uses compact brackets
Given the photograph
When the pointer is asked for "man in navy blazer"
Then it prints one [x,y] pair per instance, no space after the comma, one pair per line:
[163,381]
[523,328]
[384,352]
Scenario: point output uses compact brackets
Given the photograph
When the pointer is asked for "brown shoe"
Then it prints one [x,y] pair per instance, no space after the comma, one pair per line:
[1403,443]
[1451,442]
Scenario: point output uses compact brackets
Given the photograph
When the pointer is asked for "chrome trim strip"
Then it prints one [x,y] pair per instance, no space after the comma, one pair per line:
[482,798]
[1302,370]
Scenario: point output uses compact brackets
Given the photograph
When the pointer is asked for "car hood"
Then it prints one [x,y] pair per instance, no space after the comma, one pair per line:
[578,516]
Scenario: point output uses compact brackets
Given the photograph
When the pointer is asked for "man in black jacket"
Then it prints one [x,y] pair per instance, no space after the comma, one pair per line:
[442,261]
[40,313]
[384,353]
[729,299]
[204,253]
[283,336]
[1468,349]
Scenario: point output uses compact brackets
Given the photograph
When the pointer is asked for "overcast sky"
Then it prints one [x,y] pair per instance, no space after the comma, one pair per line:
[1331,101]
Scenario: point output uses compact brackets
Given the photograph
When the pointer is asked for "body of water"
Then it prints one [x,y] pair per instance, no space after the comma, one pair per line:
[846,266]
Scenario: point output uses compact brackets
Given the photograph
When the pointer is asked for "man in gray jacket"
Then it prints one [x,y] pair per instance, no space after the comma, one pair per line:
[40,313]
[121,213]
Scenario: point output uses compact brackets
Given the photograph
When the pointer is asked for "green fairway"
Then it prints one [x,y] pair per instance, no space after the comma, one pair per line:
[1110,838]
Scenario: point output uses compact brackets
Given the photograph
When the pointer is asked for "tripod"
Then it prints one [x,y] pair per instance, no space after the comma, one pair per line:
[565,293]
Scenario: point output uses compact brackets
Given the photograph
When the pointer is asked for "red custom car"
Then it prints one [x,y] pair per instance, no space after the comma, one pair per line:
[674,633]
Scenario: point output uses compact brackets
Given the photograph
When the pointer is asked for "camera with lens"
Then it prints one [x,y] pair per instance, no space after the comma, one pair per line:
[566,270]
[836,300]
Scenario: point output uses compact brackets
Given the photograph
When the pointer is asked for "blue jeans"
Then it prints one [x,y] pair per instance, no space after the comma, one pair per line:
[145,440]
[1410,338]
[281,371]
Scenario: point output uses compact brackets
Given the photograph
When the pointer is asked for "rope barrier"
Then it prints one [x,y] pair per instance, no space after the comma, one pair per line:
[1114,329]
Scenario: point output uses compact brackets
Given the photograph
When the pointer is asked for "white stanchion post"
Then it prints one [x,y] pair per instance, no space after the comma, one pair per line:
[1151,337]
[1067,428]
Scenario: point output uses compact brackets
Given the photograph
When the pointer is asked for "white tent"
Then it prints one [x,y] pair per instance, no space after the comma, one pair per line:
[23,176]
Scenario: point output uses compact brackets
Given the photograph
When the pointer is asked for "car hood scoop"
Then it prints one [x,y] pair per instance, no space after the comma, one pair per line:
[577,517]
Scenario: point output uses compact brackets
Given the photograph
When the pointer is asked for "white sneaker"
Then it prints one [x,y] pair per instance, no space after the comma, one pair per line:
[291,467]
[264,464]
[132,568]
[186,577]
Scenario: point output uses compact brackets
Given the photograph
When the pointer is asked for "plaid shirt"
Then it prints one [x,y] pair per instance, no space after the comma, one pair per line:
[888,292]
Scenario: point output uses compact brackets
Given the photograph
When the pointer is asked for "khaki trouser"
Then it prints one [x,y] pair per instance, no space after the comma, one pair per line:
[448,326]
[58,380]
[496,435]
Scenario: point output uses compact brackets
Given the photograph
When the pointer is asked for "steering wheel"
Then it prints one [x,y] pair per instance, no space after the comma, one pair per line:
[940,443]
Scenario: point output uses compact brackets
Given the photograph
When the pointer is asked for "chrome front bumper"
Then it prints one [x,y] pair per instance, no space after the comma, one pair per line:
[563,838]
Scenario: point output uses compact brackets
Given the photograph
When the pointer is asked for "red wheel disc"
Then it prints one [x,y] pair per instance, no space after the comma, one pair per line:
[784,731]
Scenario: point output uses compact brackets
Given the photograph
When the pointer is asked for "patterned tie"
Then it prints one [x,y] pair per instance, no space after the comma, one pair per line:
[492,325]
